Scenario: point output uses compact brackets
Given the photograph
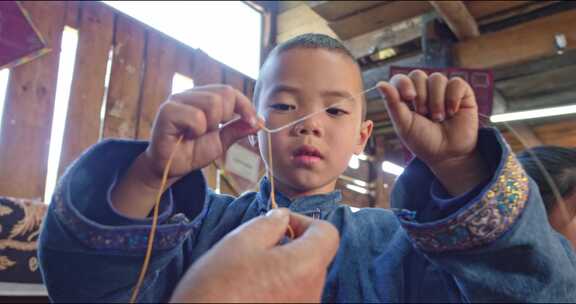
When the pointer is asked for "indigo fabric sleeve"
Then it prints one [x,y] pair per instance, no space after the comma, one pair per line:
[91,253]
[495,240]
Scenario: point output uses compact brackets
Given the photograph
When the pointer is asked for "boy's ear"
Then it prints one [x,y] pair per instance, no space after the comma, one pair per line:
[365,132]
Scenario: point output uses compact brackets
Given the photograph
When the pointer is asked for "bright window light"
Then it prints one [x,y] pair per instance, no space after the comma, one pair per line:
[64,83]
[206,25]
[555,111]
[181,83]
[363,156]
[105,96]
[357,189]
[354,162]
[392,168]
[4,75]
[360,183]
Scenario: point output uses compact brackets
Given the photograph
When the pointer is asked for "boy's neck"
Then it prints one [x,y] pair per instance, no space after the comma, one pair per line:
[294,193]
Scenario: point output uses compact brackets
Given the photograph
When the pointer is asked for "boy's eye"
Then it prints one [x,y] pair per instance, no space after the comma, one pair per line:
[283,107]
[336,111]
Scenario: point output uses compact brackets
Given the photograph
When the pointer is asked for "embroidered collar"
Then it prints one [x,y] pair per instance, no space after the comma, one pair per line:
[322,202]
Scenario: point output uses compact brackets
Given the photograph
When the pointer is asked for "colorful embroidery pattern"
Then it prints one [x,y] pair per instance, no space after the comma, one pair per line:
[482,222]
[133,238]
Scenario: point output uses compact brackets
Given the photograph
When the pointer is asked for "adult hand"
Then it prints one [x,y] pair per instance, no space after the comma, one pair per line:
[248,265]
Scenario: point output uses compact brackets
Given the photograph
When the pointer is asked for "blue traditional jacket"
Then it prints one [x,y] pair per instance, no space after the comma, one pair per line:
[493,243]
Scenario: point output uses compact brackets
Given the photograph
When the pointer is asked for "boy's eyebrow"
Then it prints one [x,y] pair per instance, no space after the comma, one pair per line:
[339,94]
[280,88]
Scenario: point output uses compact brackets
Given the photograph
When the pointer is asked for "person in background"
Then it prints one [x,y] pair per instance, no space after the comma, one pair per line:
[560,162]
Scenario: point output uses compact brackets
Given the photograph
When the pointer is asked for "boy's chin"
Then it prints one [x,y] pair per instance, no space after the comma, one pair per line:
[309,183]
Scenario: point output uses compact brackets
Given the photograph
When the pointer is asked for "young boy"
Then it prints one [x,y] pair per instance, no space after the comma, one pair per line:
[463,232]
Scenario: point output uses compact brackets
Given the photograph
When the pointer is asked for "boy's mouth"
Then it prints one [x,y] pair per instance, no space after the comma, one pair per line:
[307,155]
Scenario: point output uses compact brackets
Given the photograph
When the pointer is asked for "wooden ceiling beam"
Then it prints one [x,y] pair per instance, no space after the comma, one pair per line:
[518,44]
[378,17]
[458,18]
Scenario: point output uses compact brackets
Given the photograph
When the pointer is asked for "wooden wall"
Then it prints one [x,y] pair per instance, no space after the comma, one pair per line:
[144,62]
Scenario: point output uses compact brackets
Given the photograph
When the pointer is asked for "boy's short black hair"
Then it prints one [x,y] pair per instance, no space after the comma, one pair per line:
[310,41]
[560,162]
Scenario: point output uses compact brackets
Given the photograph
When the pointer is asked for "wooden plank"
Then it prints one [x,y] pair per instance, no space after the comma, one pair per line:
[378,17]
[233,78]
[542,83]
[73,14]
[528,41]
[206,69]
[529,138]
[458,18]
[87,92]
[125,79]
[185,61]
[509,14]
[334,10]
[382,38]
[157,85]
[28,109]
[562,132]
[481,9]
[249,84]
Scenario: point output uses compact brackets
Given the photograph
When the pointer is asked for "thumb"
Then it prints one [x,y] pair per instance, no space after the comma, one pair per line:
[318,244]
[397,109]
[235,131]
[262,232]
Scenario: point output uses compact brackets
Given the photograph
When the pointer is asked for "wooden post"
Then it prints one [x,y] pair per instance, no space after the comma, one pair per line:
[436,42]
[87,92]
[125,79]
[382,192]
[207,71]
[28,110]
[157,85]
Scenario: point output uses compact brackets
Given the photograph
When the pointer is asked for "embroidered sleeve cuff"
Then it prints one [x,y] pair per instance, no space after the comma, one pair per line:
[448,204]
[81,203]
[480,220]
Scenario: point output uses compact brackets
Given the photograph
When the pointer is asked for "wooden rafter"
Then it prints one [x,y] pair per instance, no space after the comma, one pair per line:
[521,43]
[458,18]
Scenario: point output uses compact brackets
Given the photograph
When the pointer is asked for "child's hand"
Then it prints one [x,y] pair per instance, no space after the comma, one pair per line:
[196,115]
[442,130]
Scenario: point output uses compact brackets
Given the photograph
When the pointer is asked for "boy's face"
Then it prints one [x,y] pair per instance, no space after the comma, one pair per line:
[309,157]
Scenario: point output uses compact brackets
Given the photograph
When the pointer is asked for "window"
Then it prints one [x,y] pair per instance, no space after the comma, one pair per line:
[105,96]
[181,83]
[64,83]
[229,31]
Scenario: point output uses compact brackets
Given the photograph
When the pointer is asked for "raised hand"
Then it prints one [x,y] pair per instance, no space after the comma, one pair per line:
[196,116]
[442,128]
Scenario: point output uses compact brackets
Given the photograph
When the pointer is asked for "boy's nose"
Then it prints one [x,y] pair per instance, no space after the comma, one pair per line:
[308,127]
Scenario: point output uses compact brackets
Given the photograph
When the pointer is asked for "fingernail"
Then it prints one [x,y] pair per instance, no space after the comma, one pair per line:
[253,122]
[450,112]
[438,117]
[277,213]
